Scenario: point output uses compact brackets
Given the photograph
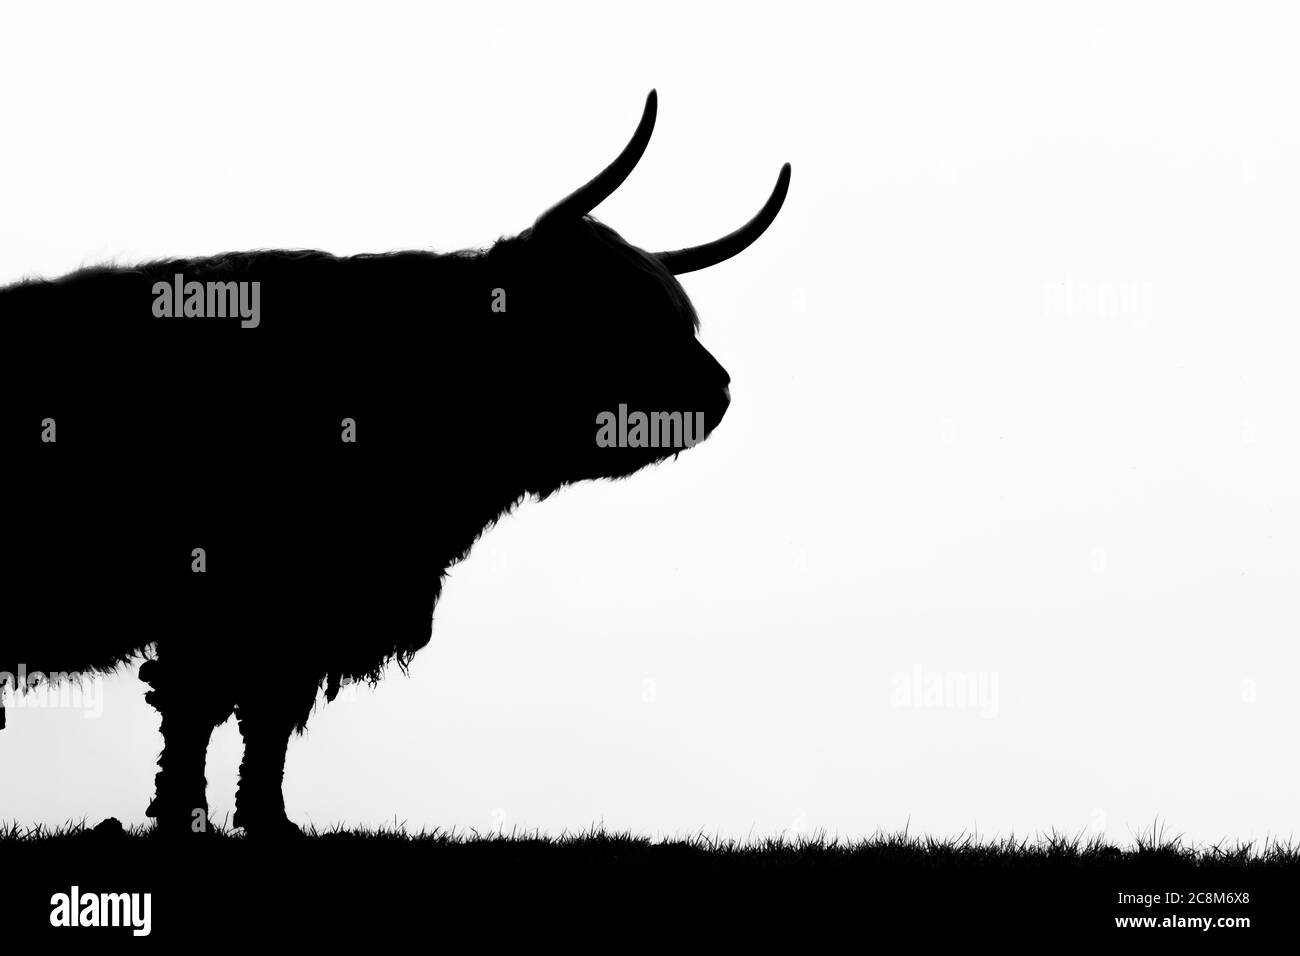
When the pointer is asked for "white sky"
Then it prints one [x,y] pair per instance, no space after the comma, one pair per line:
[1025,334]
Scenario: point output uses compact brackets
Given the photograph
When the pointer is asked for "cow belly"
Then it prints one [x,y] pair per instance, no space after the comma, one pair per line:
[228,510]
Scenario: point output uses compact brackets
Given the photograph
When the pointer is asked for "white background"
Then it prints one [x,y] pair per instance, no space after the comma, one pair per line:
[1014,395]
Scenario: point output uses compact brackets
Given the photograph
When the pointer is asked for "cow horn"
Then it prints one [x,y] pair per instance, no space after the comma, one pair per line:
[583,200]
[711,253]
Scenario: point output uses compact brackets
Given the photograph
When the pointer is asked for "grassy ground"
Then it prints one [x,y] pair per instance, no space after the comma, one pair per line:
[1157,846]
[519,887]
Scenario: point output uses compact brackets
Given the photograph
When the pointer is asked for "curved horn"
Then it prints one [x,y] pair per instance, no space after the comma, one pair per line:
[583,200]
[711,253]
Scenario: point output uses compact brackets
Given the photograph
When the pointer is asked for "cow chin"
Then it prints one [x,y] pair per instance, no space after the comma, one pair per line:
[628,440]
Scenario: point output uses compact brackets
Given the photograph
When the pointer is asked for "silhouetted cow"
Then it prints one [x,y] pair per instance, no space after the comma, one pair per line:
[199,495]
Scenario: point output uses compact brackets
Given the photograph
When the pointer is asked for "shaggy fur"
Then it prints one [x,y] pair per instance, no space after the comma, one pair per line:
[324,560]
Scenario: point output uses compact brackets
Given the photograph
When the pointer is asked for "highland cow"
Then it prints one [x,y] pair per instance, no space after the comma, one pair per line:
[262,508]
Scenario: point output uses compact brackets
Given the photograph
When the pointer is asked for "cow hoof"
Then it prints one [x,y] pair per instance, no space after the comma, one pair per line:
[285,832]
[268,829]
[180,829]
[181,825]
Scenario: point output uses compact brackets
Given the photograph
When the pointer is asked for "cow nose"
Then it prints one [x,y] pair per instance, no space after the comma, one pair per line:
[726,394]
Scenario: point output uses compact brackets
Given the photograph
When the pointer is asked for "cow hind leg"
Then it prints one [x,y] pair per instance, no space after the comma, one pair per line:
[267,719]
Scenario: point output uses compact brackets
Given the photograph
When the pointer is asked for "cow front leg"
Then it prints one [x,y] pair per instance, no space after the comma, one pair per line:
[191,709]
[267,723]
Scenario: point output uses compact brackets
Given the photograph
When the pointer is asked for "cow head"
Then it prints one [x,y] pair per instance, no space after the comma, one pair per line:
[611,334]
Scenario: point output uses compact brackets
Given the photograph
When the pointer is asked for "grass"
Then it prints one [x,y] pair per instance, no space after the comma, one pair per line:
[1155,846]
[616,887]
